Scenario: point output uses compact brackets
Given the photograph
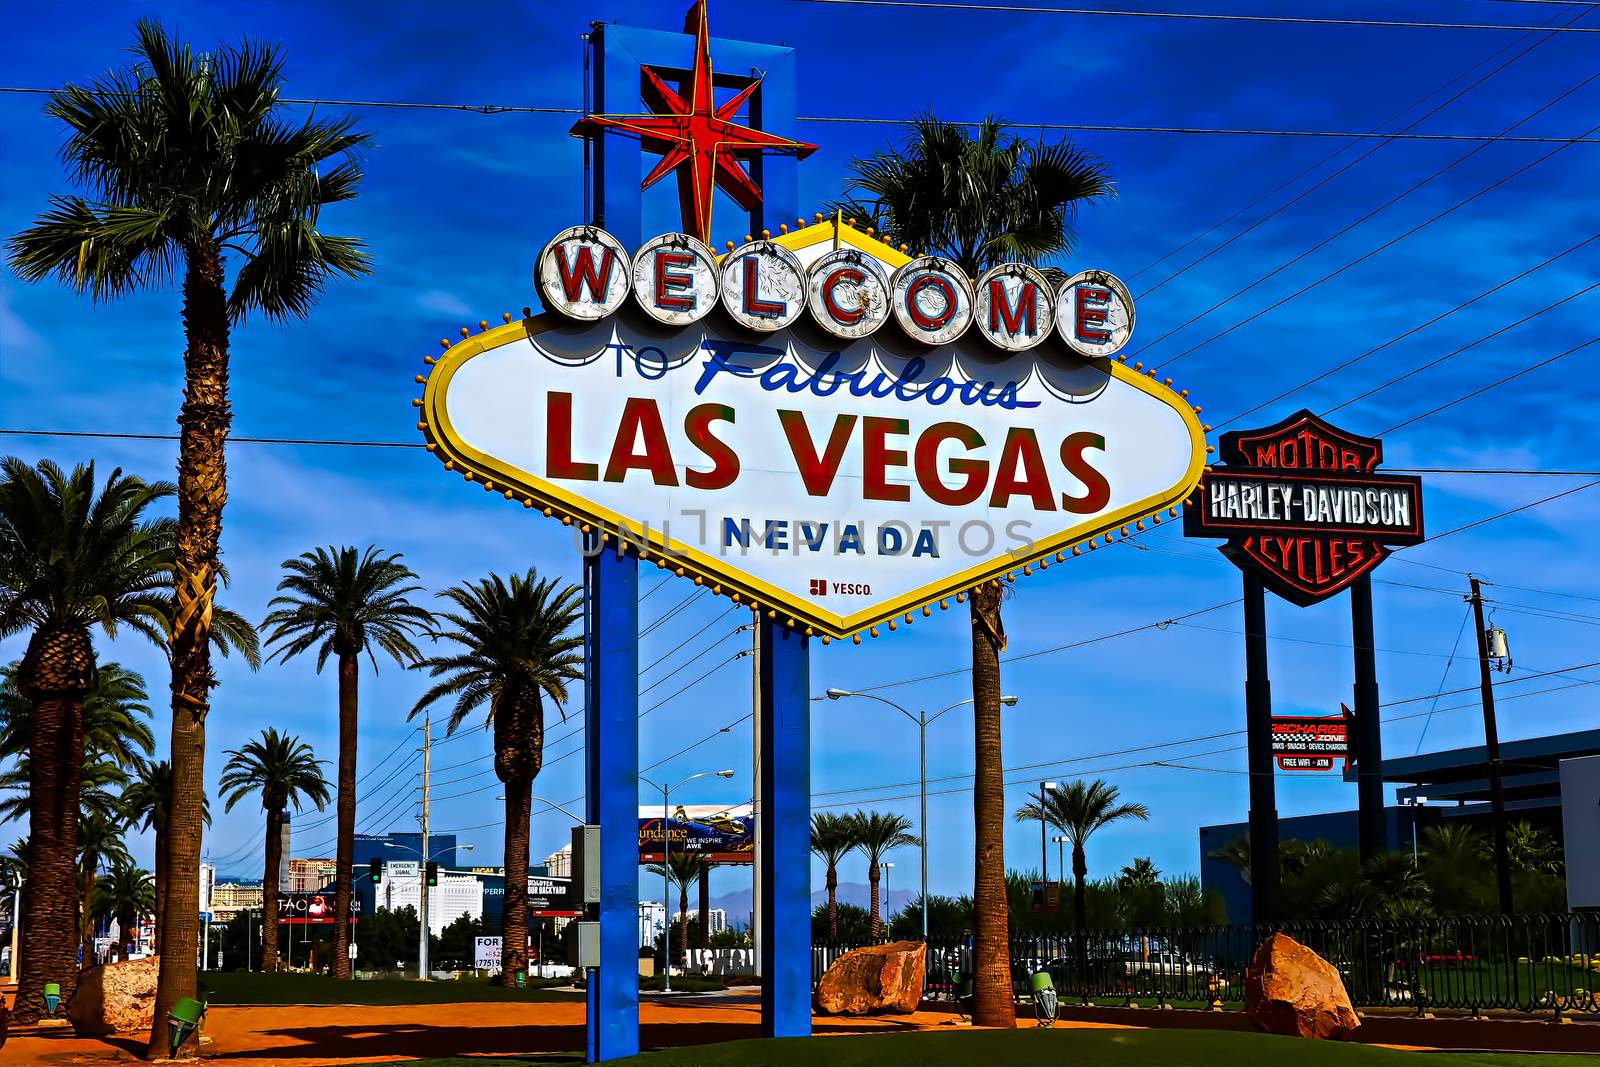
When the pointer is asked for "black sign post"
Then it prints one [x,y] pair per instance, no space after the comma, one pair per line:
[1306,514]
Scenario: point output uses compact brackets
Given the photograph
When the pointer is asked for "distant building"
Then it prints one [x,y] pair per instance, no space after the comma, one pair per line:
[408,846]
[309,875]
[455,895]
[716,920]
[559,862]
[650,922]
[230,898]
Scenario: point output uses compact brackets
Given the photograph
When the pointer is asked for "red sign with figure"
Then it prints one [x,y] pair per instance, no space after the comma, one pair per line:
[1301,503]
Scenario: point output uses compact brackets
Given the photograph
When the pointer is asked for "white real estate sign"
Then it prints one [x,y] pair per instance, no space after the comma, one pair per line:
[486,953]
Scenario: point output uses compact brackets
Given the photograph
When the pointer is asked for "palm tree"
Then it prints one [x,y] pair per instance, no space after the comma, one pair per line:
[114,710]
[1078,809]
[517,650]
[99,842]
[343,602]
[978,200]
[682,869]
[284,771]
[146,804]
[833,837]
[877,835]
[70,559]
[125,893]
[184,155]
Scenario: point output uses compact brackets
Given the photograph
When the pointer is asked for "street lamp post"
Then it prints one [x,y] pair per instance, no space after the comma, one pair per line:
[422,898]
[922,722]
[888,897]
[1044,829]
[666,870]
[1061,856]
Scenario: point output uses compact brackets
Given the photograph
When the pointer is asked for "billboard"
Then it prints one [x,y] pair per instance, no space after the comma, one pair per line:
[721,833]
[1311,742]
[818,424]
[313,906]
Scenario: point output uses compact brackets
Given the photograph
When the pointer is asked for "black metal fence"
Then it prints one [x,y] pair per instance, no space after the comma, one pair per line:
[1527,963]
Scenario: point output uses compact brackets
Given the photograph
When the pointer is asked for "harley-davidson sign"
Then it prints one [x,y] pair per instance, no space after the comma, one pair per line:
[816,423]
[1301,503]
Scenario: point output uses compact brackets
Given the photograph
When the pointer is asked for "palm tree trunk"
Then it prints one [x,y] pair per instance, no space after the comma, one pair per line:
[514,929]
[161,884]
[874,872]
[991,953]
[344,857]
[269,891]
[1080,893]
[705,908]
[91,862]
[833,904]
[203,424]
[55,676]
[683,925]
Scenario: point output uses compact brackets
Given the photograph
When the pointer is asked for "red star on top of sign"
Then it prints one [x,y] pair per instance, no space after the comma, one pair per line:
[695,137]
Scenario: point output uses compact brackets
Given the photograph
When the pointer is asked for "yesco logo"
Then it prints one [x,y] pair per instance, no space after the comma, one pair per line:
[822,587]
[585,274]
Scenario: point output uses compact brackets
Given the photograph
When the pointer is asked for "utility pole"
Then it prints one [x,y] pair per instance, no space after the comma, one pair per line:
[422,867]
[1491,740]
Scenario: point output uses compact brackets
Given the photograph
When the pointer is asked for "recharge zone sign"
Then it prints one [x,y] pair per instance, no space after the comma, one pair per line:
[817,423]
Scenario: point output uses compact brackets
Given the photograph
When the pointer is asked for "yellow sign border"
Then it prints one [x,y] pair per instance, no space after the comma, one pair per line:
[724,578]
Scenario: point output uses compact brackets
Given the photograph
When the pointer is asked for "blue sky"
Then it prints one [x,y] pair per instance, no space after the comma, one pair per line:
[456,205]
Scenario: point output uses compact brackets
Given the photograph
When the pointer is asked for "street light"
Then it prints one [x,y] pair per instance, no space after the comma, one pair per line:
[922,722]
[422,901]
[888,897]
[666,870]
[1061,855]
[1044,826]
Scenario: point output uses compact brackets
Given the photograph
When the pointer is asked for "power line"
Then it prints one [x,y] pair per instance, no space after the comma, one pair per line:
[1192,16]
[1286,183]
[497,109]
[1347,228]
[1511,511]
[1413,124]
[1477,471]
[1368,255]
[1492,385]
[1408,333]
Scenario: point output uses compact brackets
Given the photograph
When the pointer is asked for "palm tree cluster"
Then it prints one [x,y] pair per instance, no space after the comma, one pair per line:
[1451,873]
[872,833]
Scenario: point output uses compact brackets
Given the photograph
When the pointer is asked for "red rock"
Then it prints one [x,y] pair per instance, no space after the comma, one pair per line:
[876,978]
[1290,990]
[118,998]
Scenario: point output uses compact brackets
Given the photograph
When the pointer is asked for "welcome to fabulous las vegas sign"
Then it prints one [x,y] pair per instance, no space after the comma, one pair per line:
[816,423]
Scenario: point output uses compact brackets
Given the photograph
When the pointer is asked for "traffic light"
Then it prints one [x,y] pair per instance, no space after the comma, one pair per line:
[433,873]
[375,870]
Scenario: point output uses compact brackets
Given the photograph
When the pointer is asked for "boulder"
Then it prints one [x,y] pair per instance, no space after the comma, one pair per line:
[1290,990]
[876,978]
[117,998]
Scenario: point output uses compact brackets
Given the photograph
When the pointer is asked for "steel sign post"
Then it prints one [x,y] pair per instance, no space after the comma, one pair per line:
[1306,513]
[785,832]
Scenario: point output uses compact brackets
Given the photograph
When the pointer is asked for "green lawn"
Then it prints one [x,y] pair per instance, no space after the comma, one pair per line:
[241,987]
[1037,1048]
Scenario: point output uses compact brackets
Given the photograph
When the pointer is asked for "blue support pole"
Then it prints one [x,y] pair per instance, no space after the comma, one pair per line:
[611,716]
[786,831]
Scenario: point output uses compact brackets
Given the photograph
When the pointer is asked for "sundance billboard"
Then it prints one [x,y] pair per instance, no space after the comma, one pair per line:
[818,423]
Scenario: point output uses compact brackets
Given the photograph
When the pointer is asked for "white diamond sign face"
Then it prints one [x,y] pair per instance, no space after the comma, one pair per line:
[838,482]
